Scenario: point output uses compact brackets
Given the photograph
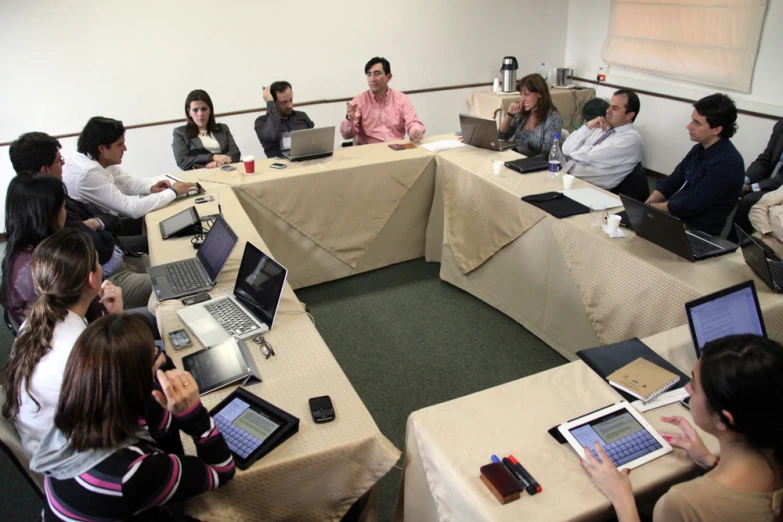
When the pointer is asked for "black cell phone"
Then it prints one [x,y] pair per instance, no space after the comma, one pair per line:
[205,199]
[686,402]
[278,165]
[180,339]
[195,299]
[228,168]
[322,409]
[396,146]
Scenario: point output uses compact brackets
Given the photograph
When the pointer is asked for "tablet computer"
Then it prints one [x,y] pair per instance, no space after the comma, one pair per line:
[251,426]
[183,223]
[221,365]
[624,434]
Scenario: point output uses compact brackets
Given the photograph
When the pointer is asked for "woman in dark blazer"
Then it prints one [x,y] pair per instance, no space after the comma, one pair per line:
[202,143]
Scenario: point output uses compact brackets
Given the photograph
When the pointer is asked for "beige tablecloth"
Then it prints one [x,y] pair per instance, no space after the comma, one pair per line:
[323,469]
[547,273]
[569,103]
[360,209]
[446,445]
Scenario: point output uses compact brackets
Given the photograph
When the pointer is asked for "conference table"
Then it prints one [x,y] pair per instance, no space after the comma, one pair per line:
[564,280]
[322,470]
[568,102]
[447,444]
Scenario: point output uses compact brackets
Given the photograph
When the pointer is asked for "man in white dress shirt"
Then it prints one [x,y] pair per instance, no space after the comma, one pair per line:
[606,149]
[93,175]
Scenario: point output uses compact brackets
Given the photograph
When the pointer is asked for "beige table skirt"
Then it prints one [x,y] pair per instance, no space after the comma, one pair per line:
[323,469]
[446,444]
[362,208]
[563,279]
[569,103]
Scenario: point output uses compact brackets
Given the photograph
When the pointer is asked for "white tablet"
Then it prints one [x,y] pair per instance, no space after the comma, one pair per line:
[624,434]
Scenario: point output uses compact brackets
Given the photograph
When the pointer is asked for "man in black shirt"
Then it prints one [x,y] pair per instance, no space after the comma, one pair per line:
[274,128]
[704,187]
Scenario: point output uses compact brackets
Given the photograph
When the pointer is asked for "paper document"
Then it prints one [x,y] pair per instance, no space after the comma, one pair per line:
[662,400]
[444,145]
[592,198]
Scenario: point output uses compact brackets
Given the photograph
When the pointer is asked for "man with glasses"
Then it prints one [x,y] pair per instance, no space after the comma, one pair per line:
[380,114]
[39,152]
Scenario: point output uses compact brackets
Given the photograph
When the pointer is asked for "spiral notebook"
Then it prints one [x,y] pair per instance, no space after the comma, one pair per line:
[643,379]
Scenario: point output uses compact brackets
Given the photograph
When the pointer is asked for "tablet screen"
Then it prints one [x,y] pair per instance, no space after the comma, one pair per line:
[244,428]
[217,366]
[177,222]
[621,436]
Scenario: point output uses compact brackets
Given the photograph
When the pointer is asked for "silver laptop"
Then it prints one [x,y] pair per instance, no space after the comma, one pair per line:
[482,133]
[311,144]
[197,274]
[250,311]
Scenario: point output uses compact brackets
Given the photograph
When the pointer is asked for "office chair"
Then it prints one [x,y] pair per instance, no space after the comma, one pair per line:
[634,185]
[11,444]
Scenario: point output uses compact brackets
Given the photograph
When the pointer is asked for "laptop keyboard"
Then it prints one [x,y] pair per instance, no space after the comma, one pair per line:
[231,317]
[776,269]
[701,246]
[184,276]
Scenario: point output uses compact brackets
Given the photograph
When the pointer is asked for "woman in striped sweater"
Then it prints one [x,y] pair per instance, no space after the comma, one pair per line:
[101,460]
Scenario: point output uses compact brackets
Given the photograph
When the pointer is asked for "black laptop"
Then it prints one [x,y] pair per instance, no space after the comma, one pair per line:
[731,311]
[196,274]
[762,260]
[669,232]
[525,165]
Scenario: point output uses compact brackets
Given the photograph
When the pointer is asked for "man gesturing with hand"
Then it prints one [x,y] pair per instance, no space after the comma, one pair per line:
[381,113]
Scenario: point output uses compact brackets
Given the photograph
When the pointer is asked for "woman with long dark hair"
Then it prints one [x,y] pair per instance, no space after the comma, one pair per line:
[68,277]
[101,460]
[533,121]
[34,210]
[736,396]
[203,143]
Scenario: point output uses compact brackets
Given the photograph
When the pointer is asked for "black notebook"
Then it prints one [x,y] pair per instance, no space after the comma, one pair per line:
[604,360]
[556,204]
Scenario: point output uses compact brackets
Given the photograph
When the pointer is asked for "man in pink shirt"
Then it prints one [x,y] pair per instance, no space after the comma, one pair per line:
[380,114]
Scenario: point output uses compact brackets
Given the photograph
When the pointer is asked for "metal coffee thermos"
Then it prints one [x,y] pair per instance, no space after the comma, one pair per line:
[509,72]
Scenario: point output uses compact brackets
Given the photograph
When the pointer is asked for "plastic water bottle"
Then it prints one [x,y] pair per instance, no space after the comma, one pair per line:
[555,158]
[542,70]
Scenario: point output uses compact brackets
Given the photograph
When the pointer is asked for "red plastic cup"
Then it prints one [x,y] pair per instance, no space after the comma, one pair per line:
[250,164]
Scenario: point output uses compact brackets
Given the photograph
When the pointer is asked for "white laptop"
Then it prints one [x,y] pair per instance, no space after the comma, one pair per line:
[250,311]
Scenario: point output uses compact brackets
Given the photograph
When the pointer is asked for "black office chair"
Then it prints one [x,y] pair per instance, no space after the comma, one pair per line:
[9,322]
[634,185]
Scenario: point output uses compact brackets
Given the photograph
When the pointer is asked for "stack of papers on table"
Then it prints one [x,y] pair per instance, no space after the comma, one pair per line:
[444,145]
[592,198]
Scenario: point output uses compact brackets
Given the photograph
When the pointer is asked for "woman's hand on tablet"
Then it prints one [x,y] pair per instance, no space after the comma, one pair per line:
[613,483]
[690,441]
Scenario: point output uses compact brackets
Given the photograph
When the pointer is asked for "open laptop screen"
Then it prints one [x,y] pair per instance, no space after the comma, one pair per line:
[218,245]
[260,284]
[732,311]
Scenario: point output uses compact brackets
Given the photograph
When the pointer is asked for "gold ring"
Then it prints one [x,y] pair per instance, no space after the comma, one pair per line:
[187,383]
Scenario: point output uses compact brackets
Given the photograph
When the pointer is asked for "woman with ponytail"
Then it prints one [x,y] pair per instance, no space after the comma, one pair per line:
[736,396]
[67,277]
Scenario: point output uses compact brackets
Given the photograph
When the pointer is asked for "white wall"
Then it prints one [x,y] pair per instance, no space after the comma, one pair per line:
[662,122]
[66,61]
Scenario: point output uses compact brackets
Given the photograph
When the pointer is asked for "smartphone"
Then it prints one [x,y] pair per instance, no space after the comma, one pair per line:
[180,339]
[686,402]
[396,146]
[278,165]
[205,199]
[322,410]
[228,168]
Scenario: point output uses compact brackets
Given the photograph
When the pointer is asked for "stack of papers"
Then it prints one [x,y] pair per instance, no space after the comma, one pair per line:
[444,145]
[592,198]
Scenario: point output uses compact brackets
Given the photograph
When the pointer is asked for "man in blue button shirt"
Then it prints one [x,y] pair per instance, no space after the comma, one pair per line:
[704,187]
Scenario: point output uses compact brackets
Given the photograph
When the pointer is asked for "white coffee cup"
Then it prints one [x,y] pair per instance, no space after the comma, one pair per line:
[497,167]
[568,181]
[613,223]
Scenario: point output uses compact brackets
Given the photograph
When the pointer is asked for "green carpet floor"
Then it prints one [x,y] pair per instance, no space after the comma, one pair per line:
[404,338]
